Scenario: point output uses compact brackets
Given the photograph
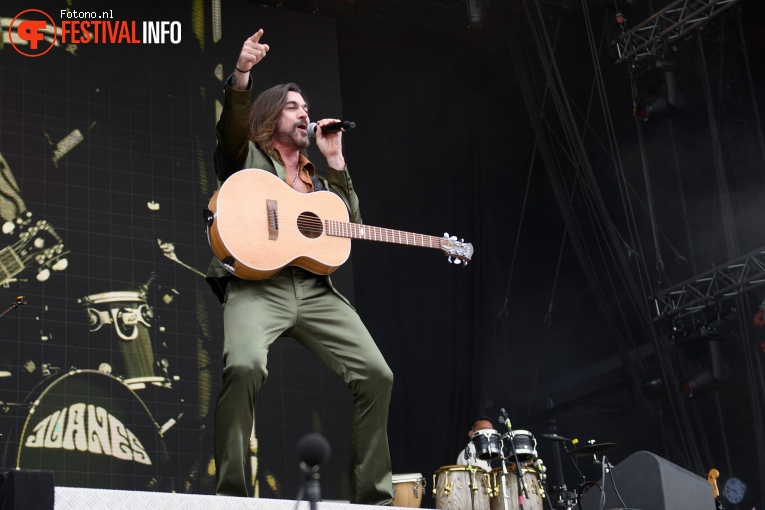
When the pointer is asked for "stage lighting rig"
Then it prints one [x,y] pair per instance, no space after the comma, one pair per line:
[712,371]
[656,84]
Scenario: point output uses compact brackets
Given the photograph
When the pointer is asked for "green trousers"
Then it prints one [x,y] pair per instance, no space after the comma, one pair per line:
[303,306]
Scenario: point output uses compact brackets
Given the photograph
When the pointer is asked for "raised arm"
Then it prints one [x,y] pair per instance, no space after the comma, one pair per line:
[233,128]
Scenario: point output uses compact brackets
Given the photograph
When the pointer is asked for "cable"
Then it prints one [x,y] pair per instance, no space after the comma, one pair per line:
[613,482]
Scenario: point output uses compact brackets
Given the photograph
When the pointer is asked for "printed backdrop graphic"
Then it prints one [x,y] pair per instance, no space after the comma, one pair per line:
[105,167]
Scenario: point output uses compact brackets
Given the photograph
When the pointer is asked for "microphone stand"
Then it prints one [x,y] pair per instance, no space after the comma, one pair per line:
[471,474]
[19,301]
[522,494]
[473,485]
[311,484]
[504,494]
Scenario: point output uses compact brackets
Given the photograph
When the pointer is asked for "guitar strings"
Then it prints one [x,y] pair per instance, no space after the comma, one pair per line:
[312,224]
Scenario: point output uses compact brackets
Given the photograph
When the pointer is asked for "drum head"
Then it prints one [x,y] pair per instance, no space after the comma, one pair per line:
[91,430]
[407,477]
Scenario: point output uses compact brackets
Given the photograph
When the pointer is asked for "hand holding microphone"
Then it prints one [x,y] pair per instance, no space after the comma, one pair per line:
[329,139]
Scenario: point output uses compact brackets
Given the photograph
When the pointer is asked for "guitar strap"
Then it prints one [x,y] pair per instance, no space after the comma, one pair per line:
[317,185]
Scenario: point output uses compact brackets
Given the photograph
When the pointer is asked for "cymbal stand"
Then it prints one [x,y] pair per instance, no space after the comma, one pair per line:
[576,466]
[585,482]
[18,302]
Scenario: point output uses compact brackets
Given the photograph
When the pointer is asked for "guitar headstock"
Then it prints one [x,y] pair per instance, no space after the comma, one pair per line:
[458,251]
[37,245]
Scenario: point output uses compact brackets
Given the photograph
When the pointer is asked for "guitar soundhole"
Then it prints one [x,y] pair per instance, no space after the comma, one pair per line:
[310,225]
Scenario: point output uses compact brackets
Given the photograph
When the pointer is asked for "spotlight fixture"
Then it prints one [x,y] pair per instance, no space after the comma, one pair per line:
[475,12]
[659,97]
[651,107]
[698,384]
[707,378]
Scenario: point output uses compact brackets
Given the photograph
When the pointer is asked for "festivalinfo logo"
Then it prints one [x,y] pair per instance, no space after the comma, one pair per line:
[34,32]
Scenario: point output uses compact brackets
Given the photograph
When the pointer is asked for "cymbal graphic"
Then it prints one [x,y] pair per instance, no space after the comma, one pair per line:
[592,449]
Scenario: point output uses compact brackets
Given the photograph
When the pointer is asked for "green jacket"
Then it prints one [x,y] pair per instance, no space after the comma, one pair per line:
[236,151]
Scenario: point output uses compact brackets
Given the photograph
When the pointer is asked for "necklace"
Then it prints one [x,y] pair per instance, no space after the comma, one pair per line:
[294,181]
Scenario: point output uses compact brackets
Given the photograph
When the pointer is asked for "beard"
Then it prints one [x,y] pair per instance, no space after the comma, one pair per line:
[294,138]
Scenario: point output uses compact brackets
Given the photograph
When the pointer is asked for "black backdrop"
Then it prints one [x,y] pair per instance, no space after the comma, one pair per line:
[443,143]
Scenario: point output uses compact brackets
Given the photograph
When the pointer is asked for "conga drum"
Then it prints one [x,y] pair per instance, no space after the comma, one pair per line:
[507,488]
[408,489]
[461,488]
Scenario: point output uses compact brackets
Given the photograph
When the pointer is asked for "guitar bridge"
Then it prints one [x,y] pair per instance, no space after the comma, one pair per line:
[273,220]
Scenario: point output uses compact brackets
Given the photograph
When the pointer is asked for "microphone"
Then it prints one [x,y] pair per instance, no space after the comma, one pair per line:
[556,437]
[313,450]
[345,125]
[504,418]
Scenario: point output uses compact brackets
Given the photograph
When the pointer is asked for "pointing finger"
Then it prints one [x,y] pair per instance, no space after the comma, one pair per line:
[256,36]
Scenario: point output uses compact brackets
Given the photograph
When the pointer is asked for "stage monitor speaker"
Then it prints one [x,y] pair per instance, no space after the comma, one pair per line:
[24,489]
[648,482]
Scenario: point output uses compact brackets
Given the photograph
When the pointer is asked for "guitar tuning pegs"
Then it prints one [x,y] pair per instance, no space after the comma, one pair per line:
[465,264]
[446,235]
[43,275]
[457,262]
[449,259]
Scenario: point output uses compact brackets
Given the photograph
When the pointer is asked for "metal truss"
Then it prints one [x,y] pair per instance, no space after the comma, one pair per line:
[661,30]
[732,279]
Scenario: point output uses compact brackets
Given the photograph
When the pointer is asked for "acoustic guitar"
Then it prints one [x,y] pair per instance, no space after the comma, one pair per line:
[257,225]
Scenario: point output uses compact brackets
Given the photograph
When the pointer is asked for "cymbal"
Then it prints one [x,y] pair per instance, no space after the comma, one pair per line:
[592,449]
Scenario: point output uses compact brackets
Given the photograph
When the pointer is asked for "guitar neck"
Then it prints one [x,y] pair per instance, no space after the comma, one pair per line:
[387,235]
[10,264]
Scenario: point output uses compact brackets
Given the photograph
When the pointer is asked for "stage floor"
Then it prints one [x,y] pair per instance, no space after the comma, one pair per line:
[72,498]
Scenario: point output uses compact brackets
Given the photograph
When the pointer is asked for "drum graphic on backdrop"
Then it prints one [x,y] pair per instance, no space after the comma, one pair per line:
[93,431]
[120,322]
